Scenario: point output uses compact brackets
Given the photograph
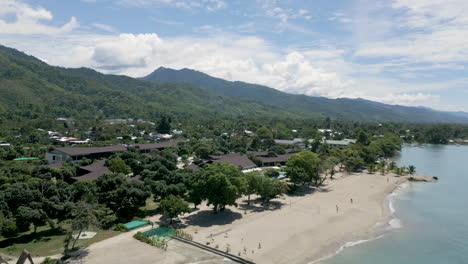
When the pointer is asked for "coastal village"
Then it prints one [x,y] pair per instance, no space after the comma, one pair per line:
[279,204]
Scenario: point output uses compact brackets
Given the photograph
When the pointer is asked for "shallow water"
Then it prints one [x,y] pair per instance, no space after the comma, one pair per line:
[432,217]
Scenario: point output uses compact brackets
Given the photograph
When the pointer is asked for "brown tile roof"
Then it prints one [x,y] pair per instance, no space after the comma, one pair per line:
[91,150]
[258,153]
[235,159]
[279,158]
[95,170]
[157,145]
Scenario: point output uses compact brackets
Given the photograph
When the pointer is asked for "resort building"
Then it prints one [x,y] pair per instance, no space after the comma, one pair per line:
[241,161]
[77,154]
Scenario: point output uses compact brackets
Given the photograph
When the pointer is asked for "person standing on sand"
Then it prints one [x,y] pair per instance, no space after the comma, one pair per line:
[337,208]
[351,200]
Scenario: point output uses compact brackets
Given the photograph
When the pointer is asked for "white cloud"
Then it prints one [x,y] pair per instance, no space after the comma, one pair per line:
[104,27]
[430,31]
[29,20]
[209,5]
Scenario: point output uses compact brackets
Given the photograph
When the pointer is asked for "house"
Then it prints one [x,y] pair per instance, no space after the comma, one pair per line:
[76,154]
[146,148]
[294,142]
[340,143]
[236,159]
[275,161]
[92,171]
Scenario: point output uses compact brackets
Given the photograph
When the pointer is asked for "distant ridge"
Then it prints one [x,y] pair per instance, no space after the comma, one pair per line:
[343,108]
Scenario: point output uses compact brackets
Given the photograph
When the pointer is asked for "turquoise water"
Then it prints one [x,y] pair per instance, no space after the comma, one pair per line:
[434,216]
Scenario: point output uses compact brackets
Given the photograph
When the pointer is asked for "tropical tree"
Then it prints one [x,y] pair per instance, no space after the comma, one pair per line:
[303,167]
[254,180]
[411,169]
[173,206]
[84,217]
[271,188]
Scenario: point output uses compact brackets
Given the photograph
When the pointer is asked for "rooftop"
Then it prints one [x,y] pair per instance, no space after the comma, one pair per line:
[91,150]
[235,159]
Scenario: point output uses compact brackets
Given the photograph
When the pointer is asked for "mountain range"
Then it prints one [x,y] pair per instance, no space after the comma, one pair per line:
[343,108]
[30,88]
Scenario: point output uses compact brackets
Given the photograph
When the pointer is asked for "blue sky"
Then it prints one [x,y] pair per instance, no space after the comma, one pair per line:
[410,52]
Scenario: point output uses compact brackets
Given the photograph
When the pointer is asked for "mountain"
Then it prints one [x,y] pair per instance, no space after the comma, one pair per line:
[343,108]
[30,88]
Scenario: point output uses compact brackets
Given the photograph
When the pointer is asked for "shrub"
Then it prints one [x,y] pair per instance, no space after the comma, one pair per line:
[120,228]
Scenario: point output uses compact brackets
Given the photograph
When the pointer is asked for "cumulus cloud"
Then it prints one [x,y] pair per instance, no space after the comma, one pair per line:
[30,20]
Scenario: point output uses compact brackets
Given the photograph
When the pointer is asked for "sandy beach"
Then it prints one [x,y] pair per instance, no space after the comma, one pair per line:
[301,228]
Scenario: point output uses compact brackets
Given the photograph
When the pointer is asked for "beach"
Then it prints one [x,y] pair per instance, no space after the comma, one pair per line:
[300,228]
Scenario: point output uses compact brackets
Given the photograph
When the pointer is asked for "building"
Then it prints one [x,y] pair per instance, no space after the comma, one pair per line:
[77,154]
[295,142]
[279,160]
[92,171]
[241,161]
[146,148]
[340,143]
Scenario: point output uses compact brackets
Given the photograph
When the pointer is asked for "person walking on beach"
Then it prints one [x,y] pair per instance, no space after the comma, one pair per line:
[337,208]
[351,200]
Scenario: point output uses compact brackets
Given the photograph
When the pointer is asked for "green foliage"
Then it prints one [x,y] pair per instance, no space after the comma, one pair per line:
[117,165]
[154,241]
[303,167]
[271,188]
[121,228]
[173,206]
[218,184]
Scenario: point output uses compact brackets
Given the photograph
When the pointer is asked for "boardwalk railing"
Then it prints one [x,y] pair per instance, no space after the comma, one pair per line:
[214,250]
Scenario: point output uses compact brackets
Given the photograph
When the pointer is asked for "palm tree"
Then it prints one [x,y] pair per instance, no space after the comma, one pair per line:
[411,169]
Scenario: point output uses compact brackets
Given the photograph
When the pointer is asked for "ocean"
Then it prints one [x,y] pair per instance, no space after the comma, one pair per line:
[430,220]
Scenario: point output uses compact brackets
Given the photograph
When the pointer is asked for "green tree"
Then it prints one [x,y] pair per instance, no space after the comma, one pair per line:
[254,180]
[264,133]
[117,165]
[27,215]
[362,138]
[173,206]
[303,167]
[218,186]
[164,125]
[271,188]
[411,169]
[84,217]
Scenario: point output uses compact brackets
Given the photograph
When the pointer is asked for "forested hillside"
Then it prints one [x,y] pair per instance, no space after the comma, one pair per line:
[350,109]
[30,88]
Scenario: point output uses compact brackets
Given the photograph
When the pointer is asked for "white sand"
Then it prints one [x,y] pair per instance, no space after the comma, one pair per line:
[304,228]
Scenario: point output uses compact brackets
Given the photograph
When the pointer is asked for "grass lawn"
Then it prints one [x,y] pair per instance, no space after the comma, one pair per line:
[46,241]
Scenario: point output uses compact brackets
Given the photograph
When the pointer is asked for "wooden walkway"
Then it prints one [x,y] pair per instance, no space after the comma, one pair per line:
[214,250]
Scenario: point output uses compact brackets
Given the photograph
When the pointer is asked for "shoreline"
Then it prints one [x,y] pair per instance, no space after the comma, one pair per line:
[383,226]
[305,239]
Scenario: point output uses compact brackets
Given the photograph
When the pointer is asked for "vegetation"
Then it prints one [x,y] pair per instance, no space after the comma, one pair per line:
[173,206]
[43,207]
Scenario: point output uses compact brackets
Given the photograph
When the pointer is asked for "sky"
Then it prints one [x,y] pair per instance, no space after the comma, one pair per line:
[407,52]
